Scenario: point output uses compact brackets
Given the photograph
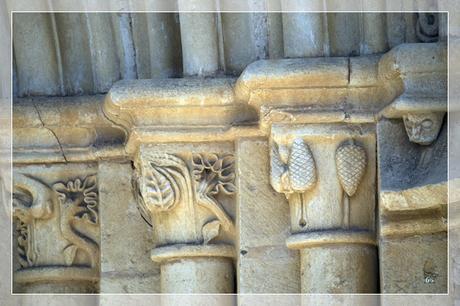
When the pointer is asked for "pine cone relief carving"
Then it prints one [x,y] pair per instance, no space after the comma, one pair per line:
[302,170]
[351,161]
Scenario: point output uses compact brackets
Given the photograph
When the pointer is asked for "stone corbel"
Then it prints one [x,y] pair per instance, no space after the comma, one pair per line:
[422,102]
[184,190]
[57,234]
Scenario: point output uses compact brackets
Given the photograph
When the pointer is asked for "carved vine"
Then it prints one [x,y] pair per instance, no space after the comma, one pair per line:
[427,28]
[78,201]
[214,174]
[32,200]
[167,182]
[63,204]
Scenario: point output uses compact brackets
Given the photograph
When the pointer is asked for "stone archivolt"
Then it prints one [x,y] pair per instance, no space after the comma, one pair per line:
[322,119]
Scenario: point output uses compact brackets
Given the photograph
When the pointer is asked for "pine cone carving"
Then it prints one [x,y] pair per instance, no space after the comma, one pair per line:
[350,161]
[302,169]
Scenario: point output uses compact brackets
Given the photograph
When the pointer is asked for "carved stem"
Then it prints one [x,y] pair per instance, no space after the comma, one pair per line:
[217,210]
[346,211]
[303,211]
[69,233]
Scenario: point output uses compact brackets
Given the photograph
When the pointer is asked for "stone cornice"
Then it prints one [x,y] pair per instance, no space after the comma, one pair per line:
[409,78]
[64,129]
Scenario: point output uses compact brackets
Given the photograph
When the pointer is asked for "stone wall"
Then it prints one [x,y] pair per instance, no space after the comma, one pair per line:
[274,160]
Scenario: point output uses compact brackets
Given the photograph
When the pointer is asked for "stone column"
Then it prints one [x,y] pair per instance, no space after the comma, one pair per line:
[199,40]
[188,219]
[184,181]
[327,172]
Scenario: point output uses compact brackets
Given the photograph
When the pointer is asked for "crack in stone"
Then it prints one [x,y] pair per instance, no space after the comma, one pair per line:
[52,132]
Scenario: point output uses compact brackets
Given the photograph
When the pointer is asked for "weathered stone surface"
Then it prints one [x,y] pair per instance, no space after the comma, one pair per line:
[262,184]
[125,239]
[261,235]
[416,264]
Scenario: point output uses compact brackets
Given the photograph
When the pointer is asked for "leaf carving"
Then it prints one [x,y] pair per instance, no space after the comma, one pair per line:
[210,230]
[69,254]
[161,190]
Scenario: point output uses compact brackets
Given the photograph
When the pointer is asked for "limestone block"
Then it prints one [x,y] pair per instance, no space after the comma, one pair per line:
[62,129]
[416,264]
[125,239]
[265,265]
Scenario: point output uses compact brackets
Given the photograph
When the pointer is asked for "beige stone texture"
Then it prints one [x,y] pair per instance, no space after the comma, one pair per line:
[416,264]
[264,262]
[125,239]
[266,182]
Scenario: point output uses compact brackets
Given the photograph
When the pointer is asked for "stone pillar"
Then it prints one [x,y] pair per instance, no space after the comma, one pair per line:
[188,219]
[184,186]
[199,40]
[327,172]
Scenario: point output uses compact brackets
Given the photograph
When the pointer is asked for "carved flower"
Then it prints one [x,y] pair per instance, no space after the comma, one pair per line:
[81,194]
[214,174]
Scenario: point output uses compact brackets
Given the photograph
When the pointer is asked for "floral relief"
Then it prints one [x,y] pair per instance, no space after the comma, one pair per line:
[214,174]
[78,200]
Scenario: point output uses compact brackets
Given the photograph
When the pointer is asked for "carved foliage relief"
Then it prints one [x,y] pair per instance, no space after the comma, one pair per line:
[57,224]
[294,172]
[186,194]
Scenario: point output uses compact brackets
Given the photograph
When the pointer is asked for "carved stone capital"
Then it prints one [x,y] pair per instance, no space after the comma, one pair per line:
[57,226]
[327,172]
[181,196]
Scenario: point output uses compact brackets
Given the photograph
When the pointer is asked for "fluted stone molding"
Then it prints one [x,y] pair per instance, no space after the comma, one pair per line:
[58,232]
[86,53]
[199,39]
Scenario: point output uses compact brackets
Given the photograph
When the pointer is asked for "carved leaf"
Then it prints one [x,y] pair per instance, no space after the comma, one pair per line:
[69,254]
[277,169]
[302,169]
[159,189]
[210,230]
[351,161]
